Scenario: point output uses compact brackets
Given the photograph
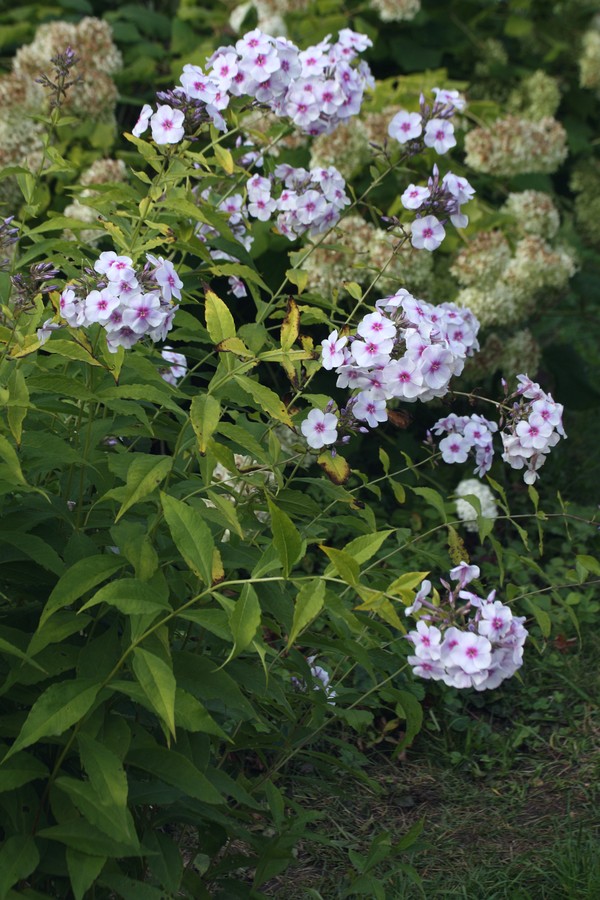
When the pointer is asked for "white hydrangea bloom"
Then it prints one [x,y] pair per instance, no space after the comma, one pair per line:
[466,511]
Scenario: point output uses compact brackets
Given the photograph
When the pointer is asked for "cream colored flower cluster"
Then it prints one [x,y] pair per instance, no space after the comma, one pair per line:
[515,145]
[507,355]
[534,213]
[270,14]
[94,94]
[537,97]
[466,512]
[396,10]
[585,182]
[589,60]
[22,97]
[347,148]
[500,286]
[356,250]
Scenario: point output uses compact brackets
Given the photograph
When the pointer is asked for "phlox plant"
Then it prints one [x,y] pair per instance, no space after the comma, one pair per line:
[197,583]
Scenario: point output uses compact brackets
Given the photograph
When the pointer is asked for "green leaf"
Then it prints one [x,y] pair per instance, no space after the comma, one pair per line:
[20,770]
[541,616]
[157,681]
[345,565]
[191,715]
[366,546]
[99,810]
[353,289]
[191,535]
[143,477]
[12,466]
[586,564]
[60,706]
[205,412]
[433,498]
[265,399]
[176,769]
[244,620]
[85,838]
[35,548]
[298,277]
[409,708]
[129,596]
[307,607]
[286,538]
[18,858]
[71,350]
[219,321]
[82,576]
[18,403]
[83,870]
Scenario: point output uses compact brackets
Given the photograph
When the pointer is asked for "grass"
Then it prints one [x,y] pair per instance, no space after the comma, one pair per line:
[509,803]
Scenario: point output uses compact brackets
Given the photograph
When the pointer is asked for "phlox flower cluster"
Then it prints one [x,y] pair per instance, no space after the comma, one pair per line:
[530,428]
[466,434]
[302,200]
[406,350]
[316,88]
[533,428]
[431,127]
[440,199]
[478,643]
[130,304]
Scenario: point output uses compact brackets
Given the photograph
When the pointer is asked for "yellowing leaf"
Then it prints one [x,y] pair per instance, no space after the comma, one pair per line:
[335,467]
[219,321]
[290,326]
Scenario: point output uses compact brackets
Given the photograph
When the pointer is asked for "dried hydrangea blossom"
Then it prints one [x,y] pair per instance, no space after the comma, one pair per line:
[515,145]
[396,10]
[589,61]
[95,93]
[347,148]
[585,182]
[501,287]
[536,97]
[534,213]
[500,353]
[356,250]
[270,14]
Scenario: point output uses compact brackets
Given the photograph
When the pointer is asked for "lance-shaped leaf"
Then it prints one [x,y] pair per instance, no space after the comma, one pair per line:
[286,538]
[265,399]
[60,706]
[244,620]
[83,870]
[191,535]
[307,607]
[157,681]
[82,576]
[219,321]
[143,476]
[176,769]
[18,858]
[205,412]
